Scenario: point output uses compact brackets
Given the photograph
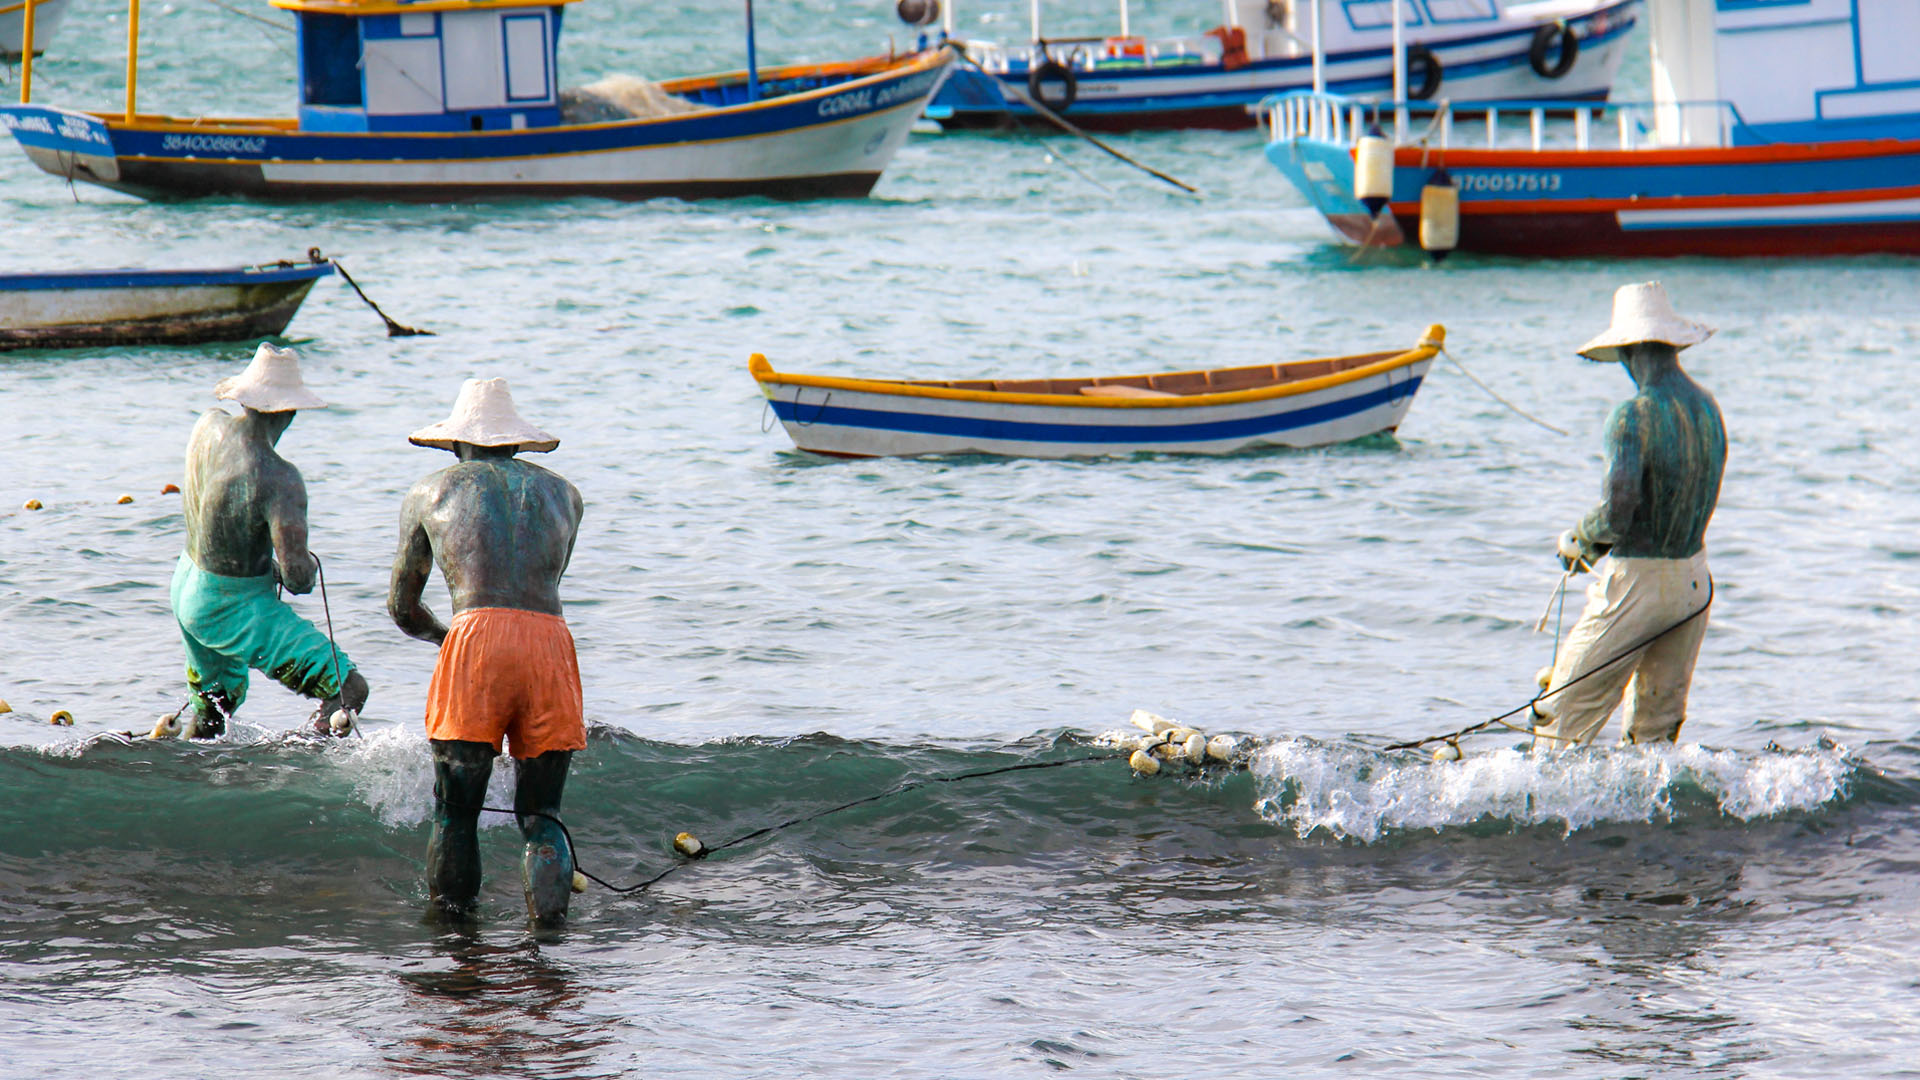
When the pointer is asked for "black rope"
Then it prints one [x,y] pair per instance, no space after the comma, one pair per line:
[1502,719]
[1068,126]
[394,329]
[898,789]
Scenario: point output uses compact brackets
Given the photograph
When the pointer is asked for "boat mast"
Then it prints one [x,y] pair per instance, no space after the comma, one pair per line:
[133,53]
[26,55]
[1399,71]
[1232,15]
[1319,53]
[753,65]
[1035,6]
[946,17]
[1125,29]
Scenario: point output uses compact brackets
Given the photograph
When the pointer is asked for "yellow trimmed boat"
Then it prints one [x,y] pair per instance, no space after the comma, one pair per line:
[1221,411]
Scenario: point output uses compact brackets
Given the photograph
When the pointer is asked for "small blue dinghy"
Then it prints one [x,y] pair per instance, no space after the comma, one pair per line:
[82,308]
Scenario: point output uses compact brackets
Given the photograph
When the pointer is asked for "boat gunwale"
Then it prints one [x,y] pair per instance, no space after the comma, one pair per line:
[1430,344]
[142,278]
[289,126]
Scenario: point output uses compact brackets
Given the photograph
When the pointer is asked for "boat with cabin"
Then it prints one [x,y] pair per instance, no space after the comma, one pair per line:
[1298,403]
[1460,50]
[14,28]
[439,100]
[1776,127]
[81,308]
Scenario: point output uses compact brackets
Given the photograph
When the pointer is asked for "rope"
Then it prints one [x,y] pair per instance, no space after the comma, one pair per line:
[328,609]
[1067,126]
[898,789]
[1518,411]
[1503,718]
[394,329]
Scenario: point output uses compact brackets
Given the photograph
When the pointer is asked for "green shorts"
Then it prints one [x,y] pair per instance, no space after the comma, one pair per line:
[230,624]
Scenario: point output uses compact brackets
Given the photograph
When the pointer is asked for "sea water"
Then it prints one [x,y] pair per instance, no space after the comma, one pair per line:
[764,634]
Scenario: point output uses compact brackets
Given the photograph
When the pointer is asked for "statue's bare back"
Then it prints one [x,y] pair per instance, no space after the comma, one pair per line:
[500,529]
[243,502]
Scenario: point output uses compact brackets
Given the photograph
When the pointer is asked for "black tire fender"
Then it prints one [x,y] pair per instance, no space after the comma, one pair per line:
[1545,40]
[1054,70]
[1431,73]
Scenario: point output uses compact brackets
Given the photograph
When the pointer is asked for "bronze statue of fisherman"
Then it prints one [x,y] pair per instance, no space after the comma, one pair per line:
[246,517]
[1646,611]
[502,531]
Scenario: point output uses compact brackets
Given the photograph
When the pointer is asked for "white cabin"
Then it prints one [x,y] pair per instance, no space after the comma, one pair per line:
[1767,71]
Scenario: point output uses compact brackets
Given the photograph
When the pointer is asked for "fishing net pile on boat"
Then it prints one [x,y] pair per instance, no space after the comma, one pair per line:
[621,97]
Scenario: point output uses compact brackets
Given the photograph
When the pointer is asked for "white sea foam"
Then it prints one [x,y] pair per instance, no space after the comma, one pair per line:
[1354,792]
[392,772]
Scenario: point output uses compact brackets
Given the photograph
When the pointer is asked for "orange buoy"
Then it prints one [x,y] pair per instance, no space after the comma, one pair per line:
[33,504]
[170,489]
[124,500]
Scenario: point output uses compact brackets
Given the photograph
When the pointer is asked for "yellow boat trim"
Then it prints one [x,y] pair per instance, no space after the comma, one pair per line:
[1430,344]
[401,7]
[286,125]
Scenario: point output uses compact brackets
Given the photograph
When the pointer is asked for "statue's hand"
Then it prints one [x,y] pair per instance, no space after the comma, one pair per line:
[1575,556]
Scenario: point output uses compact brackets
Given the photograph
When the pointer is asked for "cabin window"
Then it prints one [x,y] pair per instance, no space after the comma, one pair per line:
[1378,14]
[418,24]
[1458,11]
[329,59]
[525,40]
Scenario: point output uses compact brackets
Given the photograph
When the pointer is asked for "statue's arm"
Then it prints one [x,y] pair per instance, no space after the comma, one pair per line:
[1609,521]
[579,510]
[411,565]
[287,524]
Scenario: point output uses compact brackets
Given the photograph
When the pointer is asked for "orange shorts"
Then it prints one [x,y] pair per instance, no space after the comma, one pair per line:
[512,673]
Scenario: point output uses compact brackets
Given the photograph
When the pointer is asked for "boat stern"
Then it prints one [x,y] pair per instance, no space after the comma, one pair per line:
[67,144]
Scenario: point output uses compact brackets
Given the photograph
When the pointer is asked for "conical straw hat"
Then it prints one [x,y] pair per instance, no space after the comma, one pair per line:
[1643,313]
[270,384]
[483,415]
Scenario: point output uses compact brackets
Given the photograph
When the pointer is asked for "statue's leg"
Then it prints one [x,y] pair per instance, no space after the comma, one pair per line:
[547,867]
[460,772]
[217,684]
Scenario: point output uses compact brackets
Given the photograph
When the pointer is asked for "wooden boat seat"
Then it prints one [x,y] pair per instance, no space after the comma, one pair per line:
[1123,391]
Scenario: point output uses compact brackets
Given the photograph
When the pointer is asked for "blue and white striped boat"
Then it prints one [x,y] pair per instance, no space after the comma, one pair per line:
[1298,404]
[441,100]
[132,307]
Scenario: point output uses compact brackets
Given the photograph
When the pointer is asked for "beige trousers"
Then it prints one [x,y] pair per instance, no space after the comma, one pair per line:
[1629,601]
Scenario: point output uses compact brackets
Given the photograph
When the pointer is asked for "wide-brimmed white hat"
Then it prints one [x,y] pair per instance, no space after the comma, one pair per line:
[1643,313]
[483,415]
[270,384]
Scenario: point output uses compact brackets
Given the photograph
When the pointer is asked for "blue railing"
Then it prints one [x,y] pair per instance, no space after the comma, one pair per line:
[1558,125]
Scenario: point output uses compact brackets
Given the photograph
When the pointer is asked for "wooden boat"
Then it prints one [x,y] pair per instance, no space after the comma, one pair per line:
[1775,129]
[130,307]
[13,26]
[1301,403]
[1460,50]
[439,100]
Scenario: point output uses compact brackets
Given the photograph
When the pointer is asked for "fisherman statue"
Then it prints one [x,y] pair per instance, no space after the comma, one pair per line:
[246,515]
[1646,610]
[502,531]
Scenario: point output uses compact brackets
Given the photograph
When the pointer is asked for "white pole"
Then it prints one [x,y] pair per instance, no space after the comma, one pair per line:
[1319,54]
[1036,19]
[1232,17]
[946,17]
[1125,28]
[1399,68]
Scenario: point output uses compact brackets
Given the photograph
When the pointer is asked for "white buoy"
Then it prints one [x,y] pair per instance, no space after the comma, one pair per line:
[167,727]
[1544,676]
[689,845]
[1143,763]
[1448,751]
[1439,215]
[341,723]
[1181,734]
[1373,170]
[1223,747]
[579,881]
[1151,723]
[1196,748]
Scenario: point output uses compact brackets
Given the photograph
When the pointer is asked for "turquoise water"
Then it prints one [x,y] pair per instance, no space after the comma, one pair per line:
[764,634]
